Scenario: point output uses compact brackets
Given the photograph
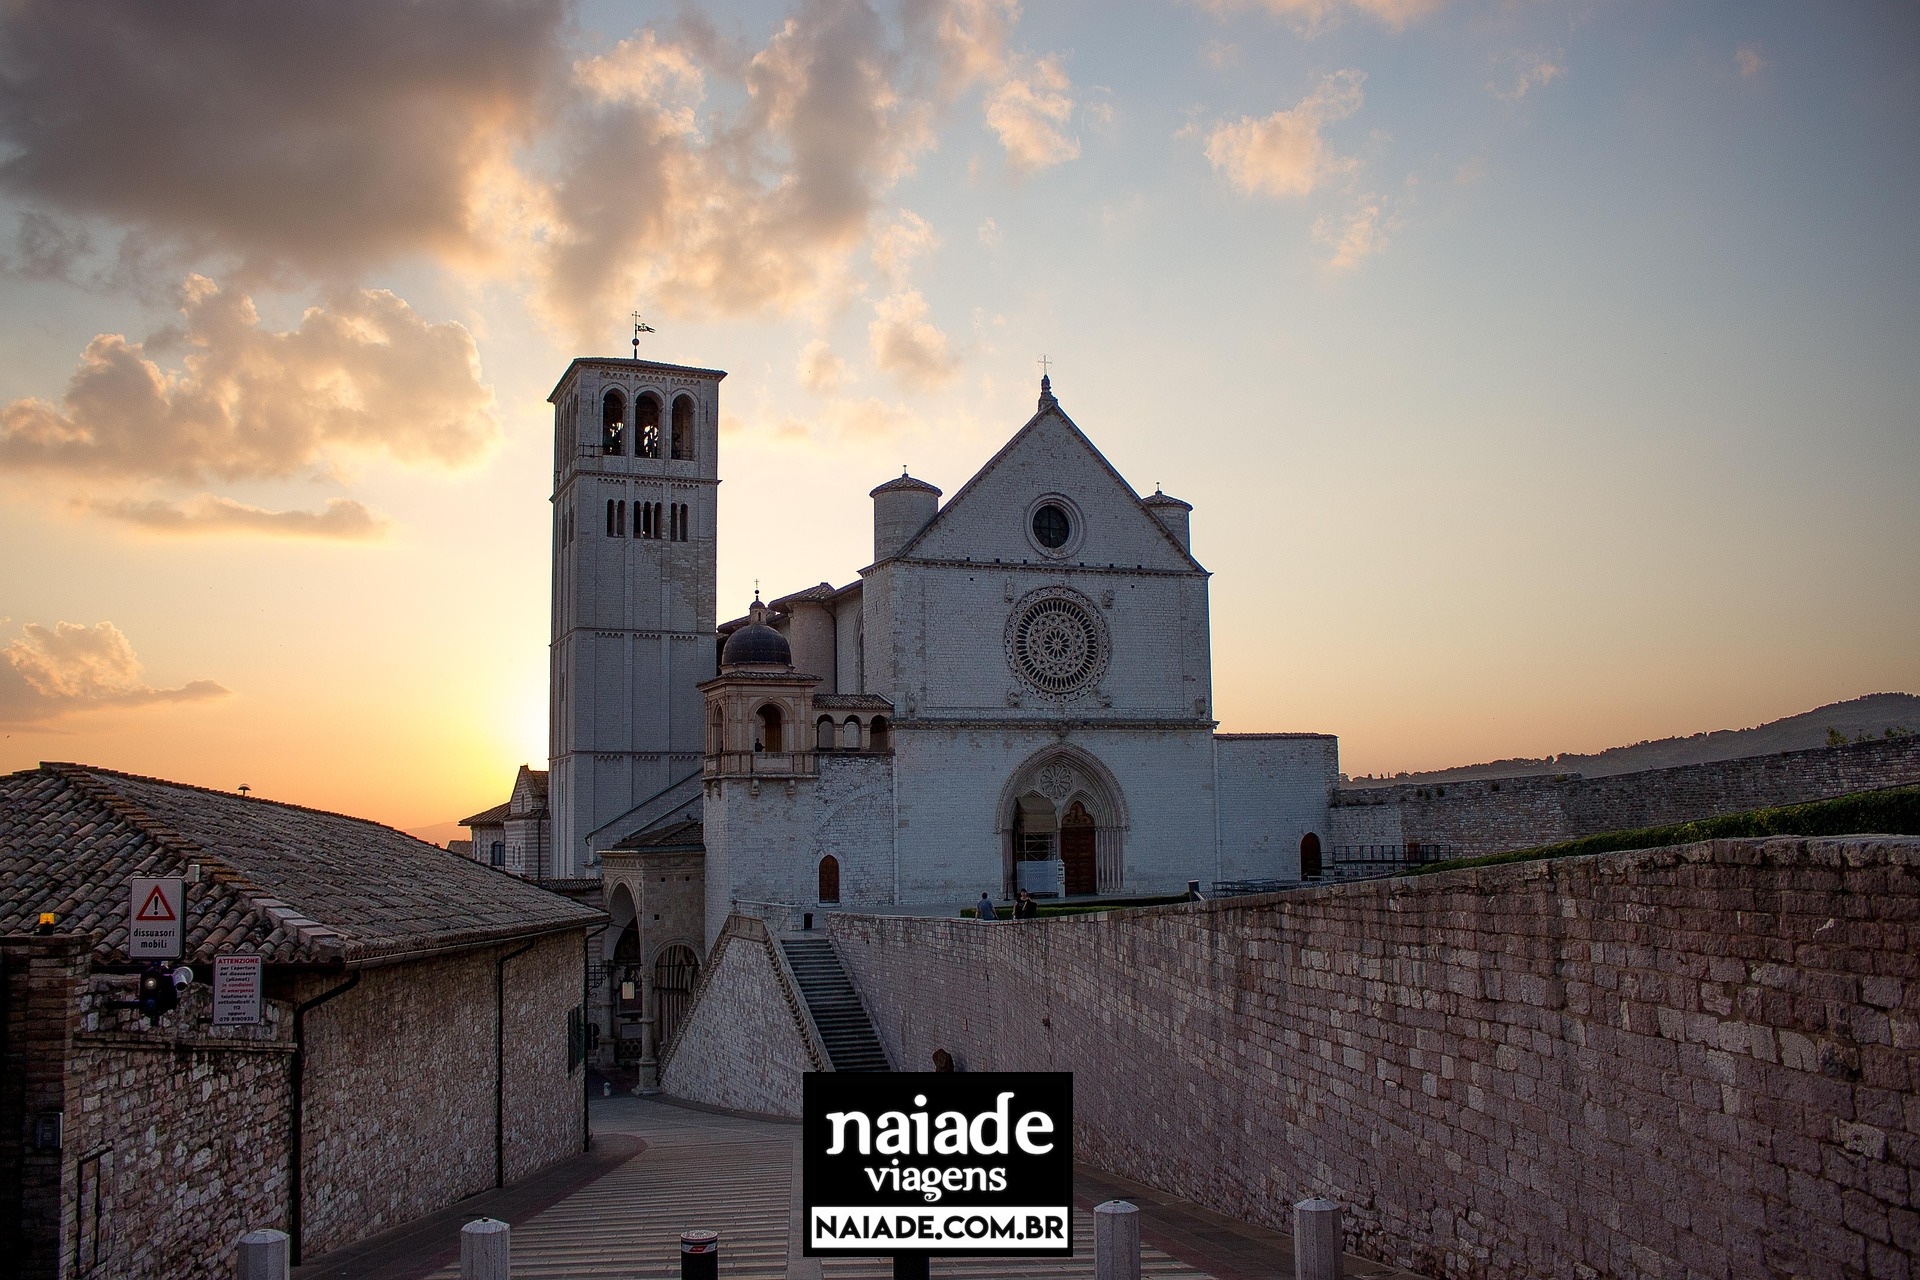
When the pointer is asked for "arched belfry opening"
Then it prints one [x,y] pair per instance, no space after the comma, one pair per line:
[683,427]
[646,417]
[613,422]
[1063,824]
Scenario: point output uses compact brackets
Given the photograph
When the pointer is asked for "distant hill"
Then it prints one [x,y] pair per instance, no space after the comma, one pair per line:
[439,833]
[1875,716]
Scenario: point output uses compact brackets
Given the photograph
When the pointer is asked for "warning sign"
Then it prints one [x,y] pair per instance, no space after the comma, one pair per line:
[236,991]
[155,912]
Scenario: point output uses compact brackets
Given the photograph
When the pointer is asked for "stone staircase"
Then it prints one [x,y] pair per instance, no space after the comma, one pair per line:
[834,1006]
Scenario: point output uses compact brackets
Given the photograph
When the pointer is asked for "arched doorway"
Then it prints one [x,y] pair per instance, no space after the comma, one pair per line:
[626,978]
[1310,856]
[1077,867]
[829,880]
[1063,808]
[674,972]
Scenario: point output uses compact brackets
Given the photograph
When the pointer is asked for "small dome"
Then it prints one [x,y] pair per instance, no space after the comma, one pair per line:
[904,483]
[756,644]
[1159,499]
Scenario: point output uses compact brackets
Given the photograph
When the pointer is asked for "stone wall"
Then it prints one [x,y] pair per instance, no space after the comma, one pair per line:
[1694,1062]
[545,1114]
[746,1041]
[39,1012]
[185,1129]
[1272,791]
[177,1136]
[1489,816]
[172,1140]
[400,1086]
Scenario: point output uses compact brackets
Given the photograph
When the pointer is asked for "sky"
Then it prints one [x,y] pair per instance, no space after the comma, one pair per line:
[1544,376]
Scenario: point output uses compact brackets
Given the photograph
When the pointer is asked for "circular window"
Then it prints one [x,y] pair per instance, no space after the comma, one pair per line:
[1052,526]
[1056,643]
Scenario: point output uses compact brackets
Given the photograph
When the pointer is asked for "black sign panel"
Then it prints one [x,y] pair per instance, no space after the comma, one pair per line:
[939,1163]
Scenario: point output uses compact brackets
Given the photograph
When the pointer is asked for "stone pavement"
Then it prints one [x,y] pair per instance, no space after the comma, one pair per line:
[659,1168]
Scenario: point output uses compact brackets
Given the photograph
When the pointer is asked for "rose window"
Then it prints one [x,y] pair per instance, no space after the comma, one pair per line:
[1056,642]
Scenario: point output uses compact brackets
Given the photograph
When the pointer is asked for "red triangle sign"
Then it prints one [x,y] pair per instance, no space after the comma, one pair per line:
[155,909]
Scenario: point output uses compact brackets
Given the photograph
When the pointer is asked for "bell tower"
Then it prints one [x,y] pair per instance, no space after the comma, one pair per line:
[635,481]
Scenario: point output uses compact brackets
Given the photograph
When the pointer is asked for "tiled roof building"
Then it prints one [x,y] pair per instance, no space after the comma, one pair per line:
[294,885]
[412,1001]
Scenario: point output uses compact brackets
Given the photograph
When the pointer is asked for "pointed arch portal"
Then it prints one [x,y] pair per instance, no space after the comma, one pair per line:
[1063,825]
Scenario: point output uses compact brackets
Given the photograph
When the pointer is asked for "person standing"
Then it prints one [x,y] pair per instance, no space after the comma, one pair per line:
[984,911]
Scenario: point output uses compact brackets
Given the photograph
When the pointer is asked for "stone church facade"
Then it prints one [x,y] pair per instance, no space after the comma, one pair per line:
[1015,693]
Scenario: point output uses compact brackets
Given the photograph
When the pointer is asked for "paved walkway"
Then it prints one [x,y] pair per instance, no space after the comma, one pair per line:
[658,1168]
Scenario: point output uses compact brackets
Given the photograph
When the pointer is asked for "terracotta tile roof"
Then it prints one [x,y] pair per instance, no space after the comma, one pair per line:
[297,886]
[851,702]
[486,817]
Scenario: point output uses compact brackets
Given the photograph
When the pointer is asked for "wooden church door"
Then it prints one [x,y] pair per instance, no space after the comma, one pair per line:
[1076,851]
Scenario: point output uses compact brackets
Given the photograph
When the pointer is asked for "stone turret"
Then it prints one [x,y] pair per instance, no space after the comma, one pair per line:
[901,508]
[1172,515]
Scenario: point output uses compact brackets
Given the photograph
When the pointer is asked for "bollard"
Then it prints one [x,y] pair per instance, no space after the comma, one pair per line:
[485,1250]
[699,1255]
[263,1256]
[1116,1241]
[1316,1240]
[911,1266]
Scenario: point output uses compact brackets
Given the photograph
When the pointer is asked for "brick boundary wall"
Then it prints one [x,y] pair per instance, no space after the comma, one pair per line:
[1700,1061]
[1494,815]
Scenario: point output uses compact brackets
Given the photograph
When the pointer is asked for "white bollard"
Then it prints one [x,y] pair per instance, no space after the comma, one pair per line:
[1316,1240]
[1116,1241]
[263,1256]
[484,1250]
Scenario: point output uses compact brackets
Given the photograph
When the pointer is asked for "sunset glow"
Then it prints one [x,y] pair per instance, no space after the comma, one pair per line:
[1543,377]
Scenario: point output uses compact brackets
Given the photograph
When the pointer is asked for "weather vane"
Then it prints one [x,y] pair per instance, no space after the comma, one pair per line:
[639,327]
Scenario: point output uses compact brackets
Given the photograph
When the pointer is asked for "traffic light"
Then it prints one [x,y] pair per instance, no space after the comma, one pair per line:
[158,994]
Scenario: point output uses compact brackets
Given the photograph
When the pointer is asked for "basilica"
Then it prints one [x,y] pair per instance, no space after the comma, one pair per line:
[1016,693]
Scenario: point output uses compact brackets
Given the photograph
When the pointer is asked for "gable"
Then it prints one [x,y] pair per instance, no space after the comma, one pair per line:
[989,519]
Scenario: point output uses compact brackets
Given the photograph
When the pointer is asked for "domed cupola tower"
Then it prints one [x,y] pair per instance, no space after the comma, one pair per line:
[758,706]
[758,644]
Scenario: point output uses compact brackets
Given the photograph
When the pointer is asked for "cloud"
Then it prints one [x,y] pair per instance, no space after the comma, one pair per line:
[897,244]
[317,134]
[1284,154]
[1353,237]
[45,248]
[971,36]
[1029,111]
[753,210]
[819,369]
[1027,103]
[312,140]
[1535,71]
[73,667]
[906,345]
[365,374]
[342,519]
[1748,59]
[989,233]
[1311,17]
